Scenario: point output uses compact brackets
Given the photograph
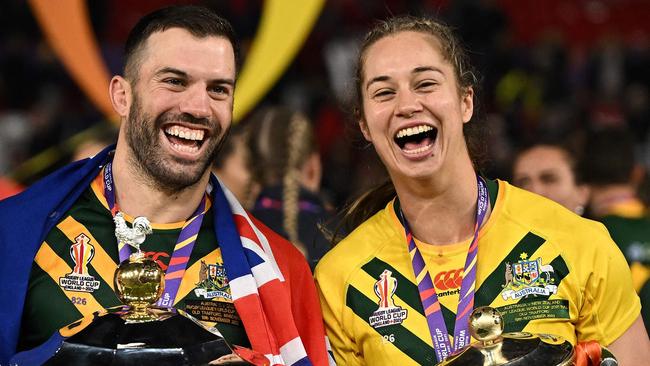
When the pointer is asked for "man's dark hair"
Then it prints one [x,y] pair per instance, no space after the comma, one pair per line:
[199,21]
[608,157]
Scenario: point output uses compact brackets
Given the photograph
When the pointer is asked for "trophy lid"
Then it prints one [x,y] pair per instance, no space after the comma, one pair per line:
[495,348]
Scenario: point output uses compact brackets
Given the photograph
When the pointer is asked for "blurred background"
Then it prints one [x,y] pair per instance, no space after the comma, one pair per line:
[556,69]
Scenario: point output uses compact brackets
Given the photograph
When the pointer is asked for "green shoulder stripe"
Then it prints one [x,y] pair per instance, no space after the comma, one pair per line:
[407,342]
[485,295]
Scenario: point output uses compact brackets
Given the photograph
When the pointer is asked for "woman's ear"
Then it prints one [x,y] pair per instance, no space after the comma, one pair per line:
[364,130]
[120,92]
[312,172]
[467,104]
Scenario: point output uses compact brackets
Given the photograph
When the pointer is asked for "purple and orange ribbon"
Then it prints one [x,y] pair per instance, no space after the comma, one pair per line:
[182,249]
[428,295]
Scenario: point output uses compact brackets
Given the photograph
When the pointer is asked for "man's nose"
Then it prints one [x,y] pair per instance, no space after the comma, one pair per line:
[196,102]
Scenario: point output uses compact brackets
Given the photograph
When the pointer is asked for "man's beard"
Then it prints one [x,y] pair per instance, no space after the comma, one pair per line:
[167,173]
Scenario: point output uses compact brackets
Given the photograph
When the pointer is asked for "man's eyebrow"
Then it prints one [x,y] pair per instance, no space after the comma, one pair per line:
[181,73]
[220,81]
[171,70]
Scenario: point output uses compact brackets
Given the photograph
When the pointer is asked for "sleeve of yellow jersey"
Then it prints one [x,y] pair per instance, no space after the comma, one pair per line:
[610,303]
[332,299]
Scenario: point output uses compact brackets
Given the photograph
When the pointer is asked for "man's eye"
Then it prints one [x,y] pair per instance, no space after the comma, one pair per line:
[173,81]
[219,90]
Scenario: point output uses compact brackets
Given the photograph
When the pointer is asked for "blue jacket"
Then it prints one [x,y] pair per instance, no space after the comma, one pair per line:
[25,221]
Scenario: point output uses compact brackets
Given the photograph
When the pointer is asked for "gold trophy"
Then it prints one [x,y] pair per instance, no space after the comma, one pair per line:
[140,333]
[495,348]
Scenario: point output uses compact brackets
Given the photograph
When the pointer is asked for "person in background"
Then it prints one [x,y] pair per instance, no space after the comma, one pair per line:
[95,141]
[550,169]
[399,289]
[285,164]
[611,170]
[175,104]
[231,166]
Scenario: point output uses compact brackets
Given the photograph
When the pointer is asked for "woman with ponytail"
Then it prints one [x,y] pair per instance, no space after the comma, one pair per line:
[284,161]
[440,239]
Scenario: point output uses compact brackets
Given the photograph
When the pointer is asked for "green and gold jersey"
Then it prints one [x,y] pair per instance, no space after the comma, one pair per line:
[547,270]
[72,274]
[632,235]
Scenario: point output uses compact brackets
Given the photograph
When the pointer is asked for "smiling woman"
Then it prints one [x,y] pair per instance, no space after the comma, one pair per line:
[437,215]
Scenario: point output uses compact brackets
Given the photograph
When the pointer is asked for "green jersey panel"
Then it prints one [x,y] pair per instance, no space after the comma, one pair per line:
[72,275]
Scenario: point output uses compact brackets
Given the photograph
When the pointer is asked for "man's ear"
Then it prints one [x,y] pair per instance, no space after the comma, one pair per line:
[364,130]
[120,93]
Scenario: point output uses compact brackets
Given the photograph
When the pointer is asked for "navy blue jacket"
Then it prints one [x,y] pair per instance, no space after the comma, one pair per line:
[25,221]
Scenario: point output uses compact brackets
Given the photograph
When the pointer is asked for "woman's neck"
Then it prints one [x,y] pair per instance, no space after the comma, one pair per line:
[441,212]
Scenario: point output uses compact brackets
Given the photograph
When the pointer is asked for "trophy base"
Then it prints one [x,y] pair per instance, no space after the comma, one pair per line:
[175,338]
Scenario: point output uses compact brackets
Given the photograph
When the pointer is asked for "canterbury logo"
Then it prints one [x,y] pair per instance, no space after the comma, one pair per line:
[449,280]
[156,257]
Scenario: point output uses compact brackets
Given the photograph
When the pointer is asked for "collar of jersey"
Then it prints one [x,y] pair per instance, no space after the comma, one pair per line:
[97,187]
[496,193]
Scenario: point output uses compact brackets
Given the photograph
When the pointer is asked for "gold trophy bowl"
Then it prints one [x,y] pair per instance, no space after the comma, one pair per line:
[495,348]
[139,283]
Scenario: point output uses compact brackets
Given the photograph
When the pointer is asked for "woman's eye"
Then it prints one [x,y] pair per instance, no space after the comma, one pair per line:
[384,93]
[426,84]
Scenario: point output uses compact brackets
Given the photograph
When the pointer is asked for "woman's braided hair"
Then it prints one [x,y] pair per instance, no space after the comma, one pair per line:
[280,142]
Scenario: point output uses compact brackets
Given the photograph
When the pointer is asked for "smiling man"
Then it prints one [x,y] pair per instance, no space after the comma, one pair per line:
[59,250]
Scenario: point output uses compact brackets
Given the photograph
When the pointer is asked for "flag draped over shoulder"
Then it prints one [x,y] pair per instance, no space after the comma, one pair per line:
[258,287]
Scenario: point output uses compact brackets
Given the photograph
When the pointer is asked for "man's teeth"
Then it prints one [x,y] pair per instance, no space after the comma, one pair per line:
[185,133]
[185,148]
[413,130]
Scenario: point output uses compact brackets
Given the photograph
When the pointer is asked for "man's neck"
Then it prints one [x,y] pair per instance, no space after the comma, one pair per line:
[136,196]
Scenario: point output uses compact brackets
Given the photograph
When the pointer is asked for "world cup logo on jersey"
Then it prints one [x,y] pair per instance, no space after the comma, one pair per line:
[82,253]
[385,289]
[387,313]
[79,280]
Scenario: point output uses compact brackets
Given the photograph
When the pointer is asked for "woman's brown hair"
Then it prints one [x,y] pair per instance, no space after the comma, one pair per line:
[452,51]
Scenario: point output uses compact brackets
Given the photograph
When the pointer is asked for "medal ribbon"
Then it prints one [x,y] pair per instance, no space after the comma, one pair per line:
[428,295]
[182,249]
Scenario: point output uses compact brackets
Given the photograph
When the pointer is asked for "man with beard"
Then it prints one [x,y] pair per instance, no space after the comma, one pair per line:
[59,247]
